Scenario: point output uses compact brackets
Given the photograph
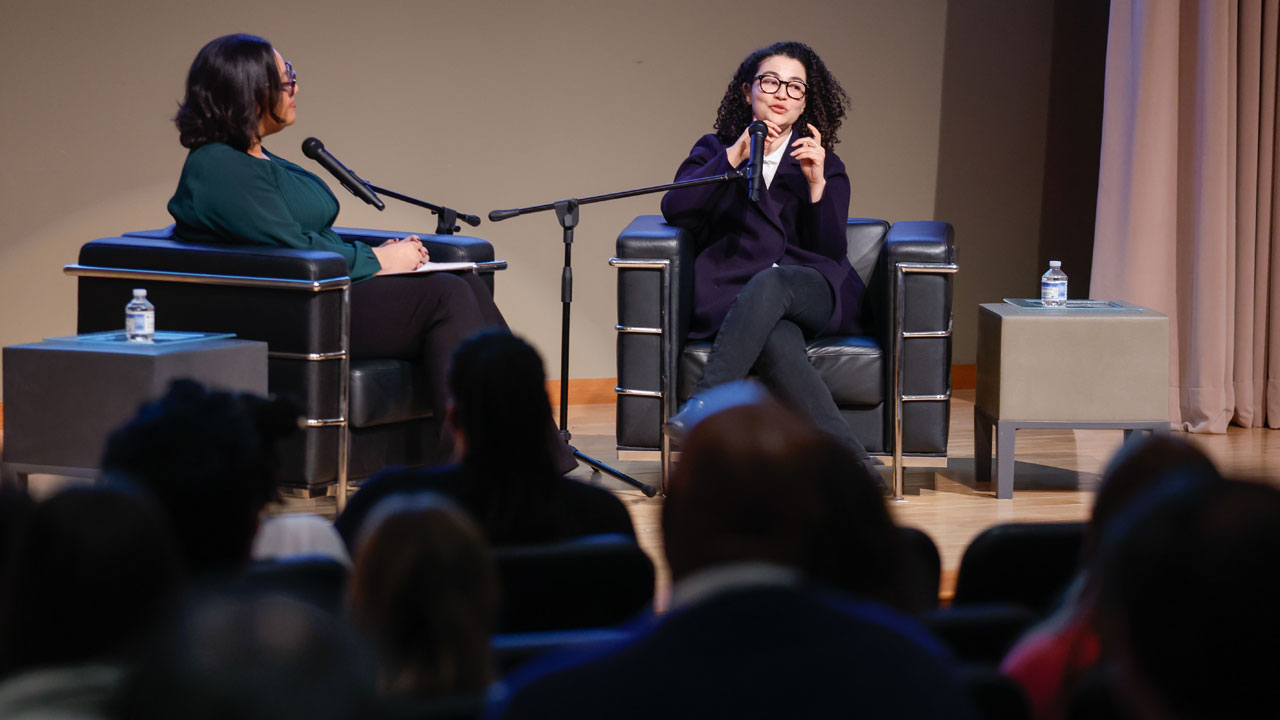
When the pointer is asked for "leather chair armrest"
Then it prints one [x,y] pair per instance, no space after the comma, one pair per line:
[151,251]
[648,237]
[640,354]
[927,297]
[925,307]
[443,248]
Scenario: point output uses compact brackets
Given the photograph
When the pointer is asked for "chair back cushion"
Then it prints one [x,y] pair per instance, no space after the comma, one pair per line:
[866,241]
[592,581]
[1029,564]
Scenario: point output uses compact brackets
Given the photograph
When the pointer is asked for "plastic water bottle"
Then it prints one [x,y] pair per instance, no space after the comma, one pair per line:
[1053,286]
[140,318]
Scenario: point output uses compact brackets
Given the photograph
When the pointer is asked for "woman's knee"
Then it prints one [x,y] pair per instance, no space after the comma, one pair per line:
[767,287]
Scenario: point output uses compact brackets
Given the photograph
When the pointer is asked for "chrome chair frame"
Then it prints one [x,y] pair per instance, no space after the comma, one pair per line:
[670,355]
[342,354]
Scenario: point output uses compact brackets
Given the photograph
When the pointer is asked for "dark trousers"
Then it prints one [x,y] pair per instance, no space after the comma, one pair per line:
[766,330]
[421,318]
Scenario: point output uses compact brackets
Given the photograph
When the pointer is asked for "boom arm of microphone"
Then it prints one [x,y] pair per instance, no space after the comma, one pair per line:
[367,191]
[498,215]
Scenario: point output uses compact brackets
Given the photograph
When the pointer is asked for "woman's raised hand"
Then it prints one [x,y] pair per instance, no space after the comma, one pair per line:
[741,150]
[813,158]
[399,255]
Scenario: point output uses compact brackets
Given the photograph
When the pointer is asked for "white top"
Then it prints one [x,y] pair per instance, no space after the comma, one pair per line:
[772,159]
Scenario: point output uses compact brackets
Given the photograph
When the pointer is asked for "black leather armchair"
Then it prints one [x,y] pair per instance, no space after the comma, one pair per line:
[361,416]
[893,386]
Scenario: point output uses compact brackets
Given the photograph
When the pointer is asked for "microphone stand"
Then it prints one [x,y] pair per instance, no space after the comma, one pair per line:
[567,214]
[446,218]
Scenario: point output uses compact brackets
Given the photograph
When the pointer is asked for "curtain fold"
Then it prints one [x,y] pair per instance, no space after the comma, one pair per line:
[1187,212]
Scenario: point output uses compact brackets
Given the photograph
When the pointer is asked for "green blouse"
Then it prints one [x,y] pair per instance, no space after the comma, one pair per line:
[225,195]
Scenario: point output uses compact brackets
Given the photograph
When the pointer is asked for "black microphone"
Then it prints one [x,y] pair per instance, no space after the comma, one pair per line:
[314,149]
[755,165]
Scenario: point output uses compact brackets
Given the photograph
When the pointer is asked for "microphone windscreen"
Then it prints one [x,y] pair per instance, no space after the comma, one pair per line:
[496,215]
[757,127]
[311,147]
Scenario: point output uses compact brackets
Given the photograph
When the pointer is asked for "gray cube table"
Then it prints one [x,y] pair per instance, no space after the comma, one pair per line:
[64,396]
[1075,367]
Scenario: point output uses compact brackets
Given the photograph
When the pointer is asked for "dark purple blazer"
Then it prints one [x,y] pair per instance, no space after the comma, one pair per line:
[737,238]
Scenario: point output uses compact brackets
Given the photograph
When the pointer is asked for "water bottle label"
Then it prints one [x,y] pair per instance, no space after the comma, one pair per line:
[1053,290]
[140,323]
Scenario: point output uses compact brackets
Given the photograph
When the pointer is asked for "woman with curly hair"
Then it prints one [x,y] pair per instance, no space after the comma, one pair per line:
[773,275]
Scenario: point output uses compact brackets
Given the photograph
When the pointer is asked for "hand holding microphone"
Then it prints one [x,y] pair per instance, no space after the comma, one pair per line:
[751,147]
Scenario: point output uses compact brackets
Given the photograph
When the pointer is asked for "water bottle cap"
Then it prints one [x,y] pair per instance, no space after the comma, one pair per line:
[139,292]
[1055,263]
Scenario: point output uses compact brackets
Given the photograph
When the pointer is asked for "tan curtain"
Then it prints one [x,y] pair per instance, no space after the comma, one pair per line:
[1188,216]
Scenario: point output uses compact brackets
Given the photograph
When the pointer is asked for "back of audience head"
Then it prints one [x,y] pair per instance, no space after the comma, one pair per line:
[425,592]
[500,414]
[1138,467]
[758,483]
[209,459]
[90,576]
[251,657]
[1187,606]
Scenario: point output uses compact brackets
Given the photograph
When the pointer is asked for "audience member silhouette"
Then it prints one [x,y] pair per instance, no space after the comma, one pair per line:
[507,478]
[425,593]
[91,576]
[209,460]
[747,635]
[1053,657]
[16,508]
[1187,601]
[251,657]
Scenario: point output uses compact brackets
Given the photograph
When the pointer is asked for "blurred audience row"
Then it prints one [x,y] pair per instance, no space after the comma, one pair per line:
[166,590]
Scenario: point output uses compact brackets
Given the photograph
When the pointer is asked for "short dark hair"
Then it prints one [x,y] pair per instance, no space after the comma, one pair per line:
[825,102]
[92,573]
[251,656]
[232,84]
[760,483]
[209,458]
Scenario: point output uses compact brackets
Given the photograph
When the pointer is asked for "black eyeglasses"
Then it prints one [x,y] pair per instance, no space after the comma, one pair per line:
[771,83]
[291,85]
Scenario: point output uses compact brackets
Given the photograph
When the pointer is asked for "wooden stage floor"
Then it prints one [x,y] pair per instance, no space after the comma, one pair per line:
[1056,474]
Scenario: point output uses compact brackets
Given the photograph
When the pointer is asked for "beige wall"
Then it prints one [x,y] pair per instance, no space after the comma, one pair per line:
[478,105]
[991,161]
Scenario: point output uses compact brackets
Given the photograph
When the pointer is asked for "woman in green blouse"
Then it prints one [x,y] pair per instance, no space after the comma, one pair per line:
[239,91]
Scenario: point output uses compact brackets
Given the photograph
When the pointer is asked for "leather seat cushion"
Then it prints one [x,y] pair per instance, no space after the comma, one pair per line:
[852,366]
[387,391]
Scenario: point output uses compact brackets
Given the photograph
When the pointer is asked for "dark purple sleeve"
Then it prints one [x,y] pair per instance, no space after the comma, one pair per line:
[827,218]
[696,207]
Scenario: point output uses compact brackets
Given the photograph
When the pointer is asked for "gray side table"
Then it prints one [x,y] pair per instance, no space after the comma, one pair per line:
[64,396]
[1078,368]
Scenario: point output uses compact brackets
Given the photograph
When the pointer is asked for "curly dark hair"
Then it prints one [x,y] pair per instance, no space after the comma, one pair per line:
[825,102]
[232,83]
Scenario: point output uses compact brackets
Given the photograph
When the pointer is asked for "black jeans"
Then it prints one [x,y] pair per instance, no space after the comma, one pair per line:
[766,330]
